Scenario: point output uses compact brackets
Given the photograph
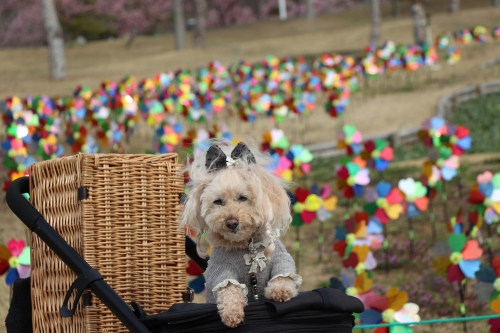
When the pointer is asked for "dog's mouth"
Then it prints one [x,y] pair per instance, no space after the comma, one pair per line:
[233,231]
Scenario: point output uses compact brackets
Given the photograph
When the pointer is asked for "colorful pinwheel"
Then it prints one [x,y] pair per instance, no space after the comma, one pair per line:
[415,196]
[301,159]
[275,139]
[357,285]
[352,178]
[488,287]
[378,154]
[383,202]
[485,195]
[350,139]
[327,202]
[463,36]
[495,32]
[480,34]
[393,307]
[453,55]
[15,260]
[169,135]
[431,132]
[458,258]
[351,244]
[458,139]
[443,41]
[447,162]
[312,204]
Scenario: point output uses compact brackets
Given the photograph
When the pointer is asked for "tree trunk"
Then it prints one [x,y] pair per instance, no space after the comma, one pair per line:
[418,14]
[282,9]
[179,26]
[55,40]
[201,23]
[375,32]
[495,3]
[395,8]
[310,9]
[453,6]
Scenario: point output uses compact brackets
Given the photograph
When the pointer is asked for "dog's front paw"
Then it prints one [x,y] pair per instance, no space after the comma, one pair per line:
[231,302]
[281,289]
[232,316]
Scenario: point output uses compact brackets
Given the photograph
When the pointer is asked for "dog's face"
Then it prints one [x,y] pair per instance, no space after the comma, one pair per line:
[231,207]
[234,203]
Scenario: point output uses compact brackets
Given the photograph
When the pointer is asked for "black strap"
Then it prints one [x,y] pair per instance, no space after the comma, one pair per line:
[81,283]
[327,302]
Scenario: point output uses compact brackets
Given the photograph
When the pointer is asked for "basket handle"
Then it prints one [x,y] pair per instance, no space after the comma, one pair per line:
[35,221]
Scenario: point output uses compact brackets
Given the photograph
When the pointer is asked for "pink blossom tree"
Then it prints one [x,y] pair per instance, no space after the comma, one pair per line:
[21,22]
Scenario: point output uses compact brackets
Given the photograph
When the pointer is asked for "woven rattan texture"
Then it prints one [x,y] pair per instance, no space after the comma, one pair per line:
[126,229]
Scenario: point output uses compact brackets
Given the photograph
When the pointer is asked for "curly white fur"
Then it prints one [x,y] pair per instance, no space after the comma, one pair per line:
[266,195]
[250,194]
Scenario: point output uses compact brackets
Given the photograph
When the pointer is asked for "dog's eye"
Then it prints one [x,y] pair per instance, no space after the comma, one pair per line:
[242,198]
[219,202]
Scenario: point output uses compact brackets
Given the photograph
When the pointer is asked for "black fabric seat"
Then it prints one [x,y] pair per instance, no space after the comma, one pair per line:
[319,310]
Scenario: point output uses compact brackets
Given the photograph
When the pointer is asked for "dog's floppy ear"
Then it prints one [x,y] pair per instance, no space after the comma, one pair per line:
[191,218]
[275,202]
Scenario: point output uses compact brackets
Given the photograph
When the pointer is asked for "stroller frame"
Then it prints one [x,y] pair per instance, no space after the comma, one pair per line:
[87,277]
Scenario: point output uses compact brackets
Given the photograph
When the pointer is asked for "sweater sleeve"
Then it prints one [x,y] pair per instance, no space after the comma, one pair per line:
[283,264]
[218,275]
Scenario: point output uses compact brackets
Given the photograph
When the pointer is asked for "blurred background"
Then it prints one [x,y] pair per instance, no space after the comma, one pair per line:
[383,113]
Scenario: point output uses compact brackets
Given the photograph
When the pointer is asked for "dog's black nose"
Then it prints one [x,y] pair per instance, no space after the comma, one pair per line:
[232,223]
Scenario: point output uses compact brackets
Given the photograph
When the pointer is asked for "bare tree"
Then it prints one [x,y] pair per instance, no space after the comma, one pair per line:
[375,31]
[419,21]
[453,6]
[395,8]
[179,26]
[310,9]
[55,40]
[201,23]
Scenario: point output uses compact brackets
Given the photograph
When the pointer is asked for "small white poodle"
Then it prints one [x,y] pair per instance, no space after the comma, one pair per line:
[241,208]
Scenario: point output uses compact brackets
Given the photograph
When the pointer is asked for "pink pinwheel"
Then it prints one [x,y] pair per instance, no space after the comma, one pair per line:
[301,158]
[350,138]
[352,178]
[384,202]
[15,258]
[485,195]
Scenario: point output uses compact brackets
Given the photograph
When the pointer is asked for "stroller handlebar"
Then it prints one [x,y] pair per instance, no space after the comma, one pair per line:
[36,223]
[18,203]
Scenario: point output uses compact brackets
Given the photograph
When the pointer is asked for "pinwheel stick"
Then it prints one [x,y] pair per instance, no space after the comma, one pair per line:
[461,288]
[489,242]
[320,242]
[411,235]
[297,247]
[386,251]
[459,185]
[432,218]
[444,198]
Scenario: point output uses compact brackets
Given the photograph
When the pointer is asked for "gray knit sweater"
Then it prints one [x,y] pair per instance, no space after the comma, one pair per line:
[228,266]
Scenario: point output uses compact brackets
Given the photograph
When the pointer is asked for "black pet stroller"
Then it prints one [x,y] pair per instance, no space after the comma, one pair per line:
[320,310]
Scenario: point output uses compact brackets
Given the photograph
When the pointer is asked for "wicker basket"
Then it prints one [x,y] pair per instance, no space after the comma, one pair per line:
[126,228]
